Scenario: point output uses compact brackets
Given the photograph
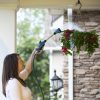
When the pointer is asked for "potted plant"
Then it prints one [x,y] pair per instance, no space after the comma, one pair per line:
[79,40]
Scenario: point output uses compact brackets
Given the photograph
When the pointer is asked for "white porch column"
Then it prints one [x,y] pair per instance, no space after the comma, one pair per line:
[70,60]
[51,69]
[7,35]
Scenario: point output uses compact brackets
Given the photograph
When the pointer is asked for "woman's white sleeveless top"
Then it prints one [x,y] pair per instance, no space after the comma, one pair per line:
[16,91]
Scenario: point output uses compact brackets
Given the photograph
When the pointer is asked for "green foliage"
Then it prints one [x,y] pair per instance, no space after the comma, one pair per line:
[87,41]
[55,97]
[28,39]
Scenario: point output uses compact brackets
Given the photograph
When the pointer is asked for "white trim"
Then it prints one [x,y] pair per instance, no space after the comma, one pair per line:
[70,62]
[70,77]
[50,69]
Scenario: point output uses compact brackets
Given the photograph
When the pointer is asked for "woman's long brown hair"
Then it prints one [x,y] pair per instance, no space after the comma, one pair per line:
[10,70]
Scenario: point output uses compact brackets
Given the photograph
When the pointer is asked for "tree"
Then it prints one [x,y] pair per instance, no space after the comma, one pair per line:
[27,39]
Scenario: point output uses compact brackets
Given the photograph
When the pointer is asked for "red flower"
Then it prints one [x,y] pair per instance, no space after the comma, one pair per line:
[64,49]
[94,38]
[67,33]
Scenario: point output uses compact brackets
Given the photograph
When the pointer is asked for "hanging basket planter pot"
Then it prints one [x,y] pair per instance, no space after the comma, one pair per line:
[75,39]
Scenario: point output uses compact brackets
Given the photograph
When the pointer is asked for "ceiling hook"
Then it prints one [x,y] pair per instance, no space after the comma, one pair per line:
[80,4]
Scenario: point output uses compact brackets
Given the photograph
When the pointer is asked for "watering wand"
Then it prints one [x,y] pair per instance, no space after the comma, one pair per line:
[42,43]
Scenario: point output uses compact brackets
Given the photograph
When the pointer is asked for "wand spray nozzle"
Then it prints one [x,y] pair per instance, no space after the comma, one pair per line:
[57,31]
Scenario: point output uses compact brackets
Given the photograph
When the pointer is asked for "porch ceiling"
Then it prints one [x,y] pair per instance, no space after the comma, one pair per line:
[7,1]
[87,4]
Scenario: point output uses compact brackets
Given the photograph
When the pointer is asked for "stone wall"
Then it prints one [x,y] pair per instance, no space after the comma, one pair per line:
[87,69]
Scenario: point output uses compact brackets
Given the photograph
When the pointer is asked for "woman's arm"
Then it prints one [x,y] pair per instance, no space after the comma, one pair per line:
[28,66]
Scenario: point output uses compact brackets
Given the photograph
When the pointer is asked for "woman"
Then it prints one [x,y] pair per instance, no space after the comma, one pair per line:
[13,76]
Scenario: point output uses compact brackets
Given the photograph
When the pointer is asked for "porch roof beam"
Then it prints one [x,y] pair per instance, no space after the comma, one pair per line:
[87,4]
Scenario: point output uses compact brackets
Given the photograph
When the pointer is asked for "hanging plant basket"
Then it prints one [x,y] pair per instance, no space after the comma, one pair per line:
[87,41]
